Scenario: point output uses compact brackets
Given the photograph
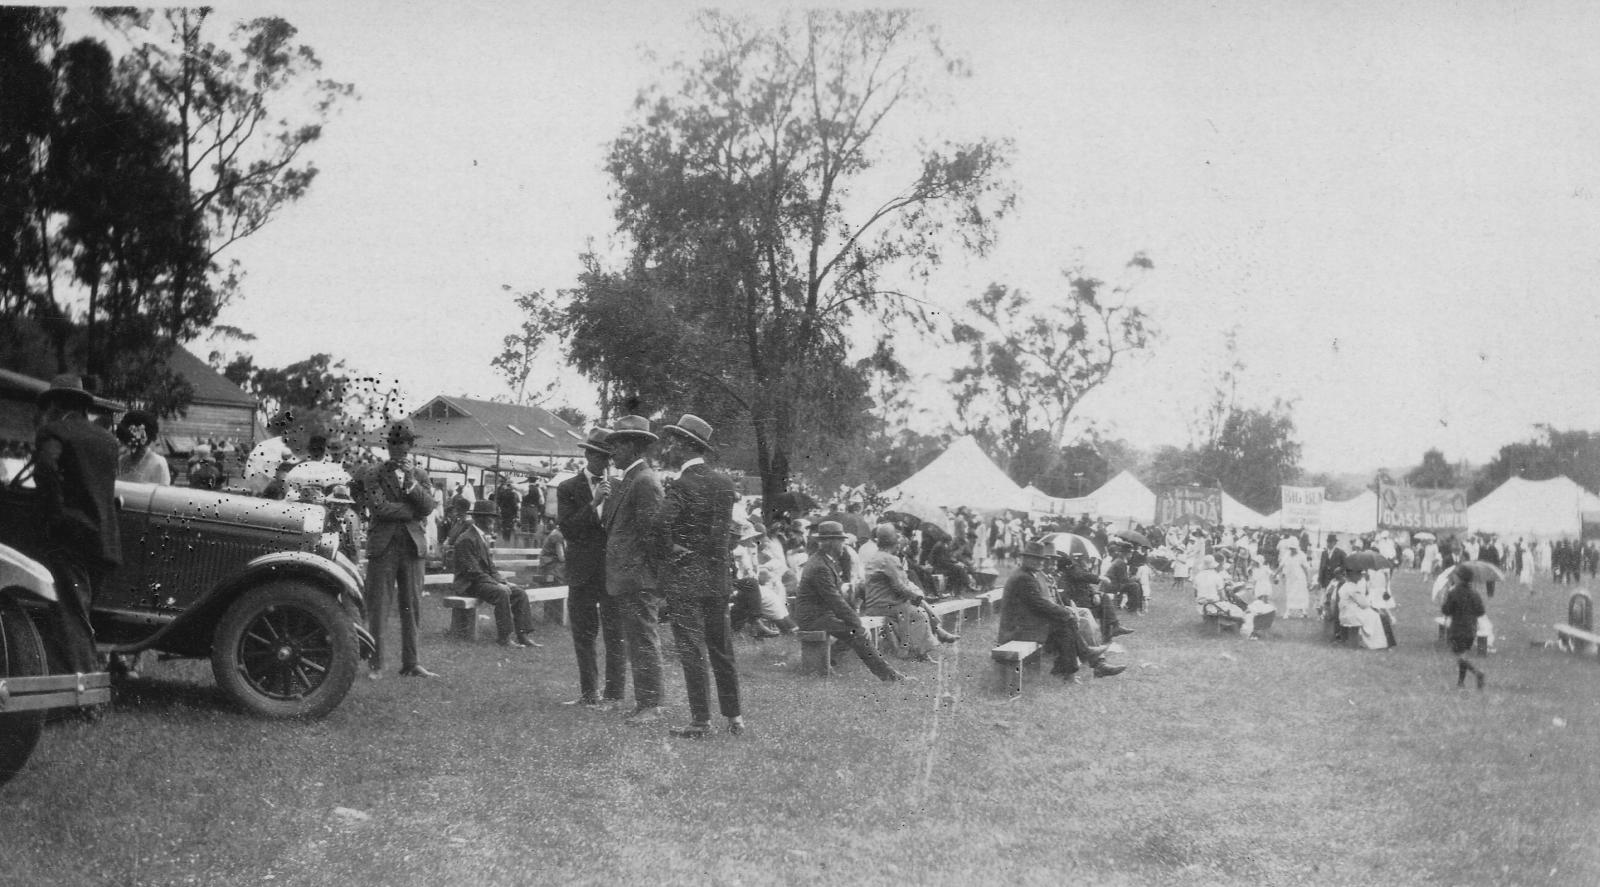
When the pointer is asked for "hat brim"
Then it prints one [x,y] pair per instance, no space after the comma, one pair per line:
[690,435]
[594,448]
[615,436]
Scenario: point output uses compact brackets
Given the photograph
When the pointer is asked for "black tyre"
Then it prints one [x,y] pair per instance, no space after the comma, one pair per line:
[286,650]
[21,655]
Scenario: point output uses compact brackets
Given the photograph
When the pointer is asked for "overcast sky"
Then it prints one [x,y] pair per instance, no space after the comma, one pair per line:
[1395,204]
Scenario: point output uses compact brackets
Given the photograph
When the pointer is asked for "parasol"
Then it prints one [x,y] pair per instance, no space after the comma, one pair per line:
[1136,538]
[1480,572]
[1366,559]
[1425,537]
[317,474]
[1070,545]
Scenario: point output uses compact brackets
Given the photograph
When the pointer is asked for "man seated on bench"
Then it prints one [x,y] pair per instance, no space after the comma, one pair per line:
[1030,614]
[1210,596]
[476,576]
[890,593]
[820,604]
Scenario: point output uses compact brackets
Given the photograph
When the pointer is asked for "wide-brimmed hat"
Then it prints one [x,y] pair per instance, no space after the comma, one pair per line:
[694,428]
[830,529]
[402,431]
[596,441]
[339,495]
[1208,563]
[67,390]
[1039,550]
[631,426]
[484,507]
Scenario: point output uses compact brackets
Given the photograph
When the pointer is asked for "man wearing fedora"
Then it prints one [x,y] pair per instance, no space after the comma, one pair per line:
[1028,613]
[591,613]
[628,513]
[697,576]
[397,497]
[75,468]
[820,605]
[477,576]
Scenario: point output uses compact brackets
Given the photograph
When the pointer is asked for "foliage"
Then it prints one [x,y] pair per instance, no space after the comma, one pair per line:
[1032,362]
[1575,454]
[515,361]
[1253,454]
[319,388]
[742,189]
[122,180]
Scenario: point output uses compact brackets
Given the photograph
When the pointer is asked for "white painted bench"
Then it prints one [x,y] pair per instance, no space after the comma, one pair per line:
[1575,639]
[464,610]
[952,611]
[989,602]
[1009,659]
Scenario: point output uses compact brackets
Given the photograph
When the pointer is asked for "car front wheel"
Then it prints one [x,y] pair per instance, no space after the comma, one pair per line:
[21,656]
[286,650]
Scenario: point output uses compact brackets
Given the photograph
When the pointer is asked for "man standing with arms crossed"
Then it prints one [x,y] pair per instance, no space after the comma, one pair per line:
[591,612]
[628,513]
[697,577]
[397,497]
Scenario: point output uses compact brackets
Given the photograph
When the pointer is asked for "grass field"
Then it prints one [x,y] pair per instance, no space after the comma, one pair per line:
[1213,760]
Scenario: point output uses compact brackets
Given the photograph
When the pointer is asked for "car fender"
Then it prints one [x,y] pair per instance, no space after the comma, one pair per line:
[190,633]
[18,571]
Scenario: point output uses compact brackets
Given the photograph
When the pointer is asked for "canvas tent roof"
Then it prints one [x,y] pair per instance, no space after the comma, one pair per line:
[1358,515]
[1538,508]
[1041,502]
[963,475]
[1125,496]
[1238,514]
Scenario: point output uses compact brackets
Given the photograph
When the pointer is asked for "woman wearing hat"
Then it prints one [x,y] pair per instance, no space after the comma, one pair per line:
[1295,572]
[139,463]
[1210,596]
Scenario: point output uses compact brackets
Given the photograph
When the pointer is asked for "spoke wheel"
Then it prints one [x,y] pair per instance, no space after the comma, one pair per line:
[21,655]
[286,650]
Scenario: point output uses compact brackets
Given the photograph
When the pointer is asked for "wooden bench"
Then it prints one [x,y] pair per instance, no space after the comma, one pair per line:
[989,602]
[1483,637]
[1222,624]
[1009,660]
[952,611]
[816,648]
[464,610]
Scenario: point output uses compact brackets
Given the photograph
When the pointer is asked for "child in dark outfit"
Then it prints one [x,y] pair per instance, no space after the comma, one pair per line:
[1462,607]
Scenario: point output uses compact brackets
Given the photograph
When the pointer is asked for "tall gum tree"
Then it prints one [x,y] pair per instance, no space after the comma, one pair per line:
[763,219]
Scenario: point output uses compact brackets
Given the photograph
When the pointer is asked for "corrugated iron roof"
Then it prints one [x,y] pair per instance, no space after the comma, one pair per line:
[485,425]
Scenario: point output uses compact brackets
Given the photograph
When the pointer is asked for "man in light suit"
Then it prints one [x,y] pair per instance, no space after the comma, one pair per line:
[397,497]
[590,611]
[628,513]
[697,576]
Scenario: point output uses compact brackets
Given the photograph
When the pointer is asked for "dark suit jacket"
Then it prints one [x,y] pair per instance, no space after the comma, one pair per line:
[393,513]
[819,603]
[1028,613]
[629,516]
[694,525]
[474,563]
[586,537]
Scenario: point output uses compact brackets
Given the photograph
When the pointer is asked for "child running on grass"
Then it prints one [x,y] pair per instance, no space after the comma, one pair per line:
[1463,607]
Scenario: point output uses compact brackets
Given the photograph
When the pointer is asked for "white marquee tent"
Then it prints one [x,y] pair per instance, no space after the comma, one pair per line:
[1125,497]
[963,475]
[1040,502]
[1545,509]
[1358,515]
[1238,514]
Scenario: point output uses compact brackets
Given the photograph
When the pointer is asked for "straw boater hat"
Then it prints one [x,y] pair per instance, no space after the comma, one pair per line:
[596,441]
[631,426]
[694,428]
[830,529]
[66,389]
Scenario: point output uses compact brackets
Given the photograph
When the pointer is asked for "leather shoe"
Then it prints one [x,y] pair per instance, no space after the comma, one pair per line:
[374,674]
[526,637]
[585,701]
[642,716]
[417,671]
[736,725]
[1096,652]
[945,637]
[1119,631]
[1107,671]
[515,643]
[693,731]
[900,676]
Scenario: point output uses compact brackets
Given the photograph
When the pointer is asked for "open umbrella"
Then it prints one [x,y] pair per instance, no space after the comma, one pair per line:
[1366,559]
[1136,538]
[1425,537]
[1480,572]
[318,474]
[906,522]
[1070,544]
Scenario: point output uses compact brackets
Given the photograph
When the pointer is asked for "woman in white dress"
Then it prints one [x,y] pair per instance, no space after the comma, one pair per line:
[1295,571]
[1355,611]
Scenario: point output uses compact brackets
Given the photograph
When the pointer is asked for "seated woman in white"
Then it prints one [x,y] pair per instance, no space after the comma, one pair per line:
[1355,611]
[1259,607]
[1208,593]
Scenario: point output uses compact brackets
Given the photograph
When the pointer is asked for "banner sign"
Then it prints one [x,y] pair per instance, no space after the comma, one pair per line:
[1302,507]
[1188,505]
[1410,508]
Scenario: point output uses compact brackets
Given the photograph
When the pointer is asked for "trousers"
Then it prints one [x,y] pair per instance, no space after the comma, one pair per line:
[639,612]
[593,617]
[700,627]
[394,573]
[511,609]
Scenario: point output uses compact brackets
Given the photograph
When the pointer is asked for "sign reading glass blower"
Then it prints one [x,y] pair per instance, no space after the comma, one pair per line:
[1410,508]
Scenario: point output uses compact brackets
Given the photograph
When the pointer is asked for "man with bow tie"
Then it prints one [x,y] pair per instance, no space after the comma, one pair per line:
[397,497]
[591,613]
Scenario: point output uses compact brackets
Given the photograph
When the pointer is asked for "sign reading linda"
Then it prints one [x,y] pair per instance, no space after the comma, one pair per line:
[1409,508]
[1302,507]
[1181,505]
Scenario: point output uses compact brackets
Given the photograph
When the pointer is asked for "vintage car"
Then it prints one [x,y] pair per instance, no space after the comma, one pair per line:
[255,585]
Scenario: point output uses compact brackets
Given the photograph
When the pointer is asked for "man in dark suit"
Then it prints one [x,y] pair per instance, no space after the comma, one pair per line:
[697,576]
[1028,612]
[820,605]
[397,497]
[477,576]
[628,513]
[590,611]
